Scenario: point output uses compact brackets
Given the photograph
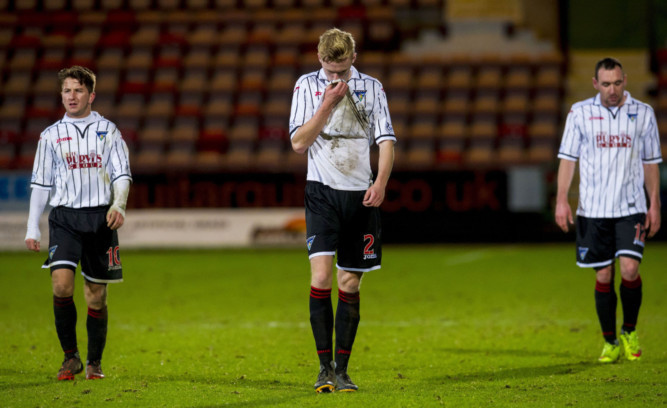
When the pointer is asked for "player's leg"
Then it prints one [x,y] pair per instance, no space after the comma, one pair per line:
[605,306]
[360,251]
[322,225]
[347,322]
[630,241]
[322,319]
[64,310]
[63,258]
[96,325]
[595,249]
[100,265]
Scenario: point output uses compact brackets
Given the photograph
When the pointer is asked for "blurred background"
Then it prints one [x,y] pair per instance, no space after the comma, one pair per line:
[201,90]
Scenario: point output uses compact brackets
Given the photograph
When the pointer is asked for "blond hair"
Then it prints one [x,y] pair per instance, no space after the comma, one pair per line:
[335,45]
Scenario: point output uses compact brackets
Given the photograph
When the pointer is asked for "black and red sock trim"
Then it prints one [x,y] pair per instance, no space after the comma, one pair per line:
[602,287]
[348,297]
[632,284]
[320,293]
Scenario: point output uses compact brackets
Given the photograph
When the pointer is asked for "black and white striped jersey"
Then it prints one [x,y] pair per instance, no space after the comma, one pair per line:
[612,145]
[79,160]
[340,155]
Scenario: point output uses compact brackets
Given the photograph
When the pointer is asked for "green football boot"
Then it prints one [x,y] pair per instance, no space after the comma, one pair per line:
[630,345]
[610,353]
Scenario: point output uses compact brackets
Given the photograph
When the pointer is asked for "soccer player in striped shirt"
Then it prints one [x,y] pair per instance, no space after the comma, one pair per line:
[82,163]
[616,140]
[337,114]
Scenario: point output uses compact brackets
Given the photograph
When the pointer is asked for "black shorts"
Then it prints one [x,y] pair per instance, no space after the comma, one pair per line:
[601,240]
[338,222]
[83,235]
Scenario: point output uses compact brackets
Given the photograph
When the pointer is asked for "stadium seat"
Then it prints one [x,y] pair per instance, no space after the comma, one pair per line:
[194,81]
[489,78]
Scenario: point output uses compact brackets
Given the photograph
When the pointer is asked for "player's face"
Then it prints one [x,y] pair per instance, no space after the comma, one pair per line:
[76,98]
[611,85]
[338,70]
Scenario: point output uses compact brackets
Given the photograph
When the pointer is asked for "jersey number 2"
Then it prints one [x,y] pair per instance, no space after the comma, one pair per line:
[368,250]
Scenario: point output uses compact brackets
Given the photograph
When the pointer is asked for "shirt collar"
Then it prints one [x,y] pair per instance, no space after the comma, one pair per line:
[321,76]
[628,99]
[93,117]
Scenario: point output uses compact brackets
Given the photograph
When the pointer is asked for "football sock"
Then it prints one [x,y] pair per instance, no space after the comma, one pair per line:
[631,300]
[96,324]
[65,314]
[347,321]
[605,305]
[322,321]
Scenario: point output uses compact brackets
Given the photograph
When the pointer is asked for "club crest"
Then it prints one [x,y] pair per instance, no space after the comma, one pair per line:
[309,242]
[632,116]
[101,134]
[582,252]
[361,95]
[52,251]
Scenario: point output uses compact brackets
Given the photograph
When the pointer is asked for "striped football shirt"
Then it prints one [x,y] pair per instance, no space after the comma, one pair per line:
[612,145]
[340,155]
[79,160]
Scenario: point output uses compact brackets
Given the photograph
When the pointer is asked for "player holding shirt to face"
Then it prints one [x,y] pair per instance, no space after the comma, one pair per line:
[82,161]
[337,114]
[616,140]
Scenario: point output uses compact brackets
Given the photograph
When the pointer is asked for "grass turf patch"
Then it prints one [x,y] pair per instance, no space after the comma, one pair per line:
[451,325]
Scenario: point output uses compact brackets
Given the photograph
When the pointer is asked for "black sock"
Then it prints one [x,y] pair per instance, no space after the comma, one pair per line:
[347,321]
[605,304]
[322,321]
[97,332]
[65,314]
[631,300]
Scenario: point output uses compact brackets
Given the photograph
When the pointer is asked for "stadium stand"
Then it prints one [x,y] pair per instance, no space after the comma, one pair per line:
[204,85]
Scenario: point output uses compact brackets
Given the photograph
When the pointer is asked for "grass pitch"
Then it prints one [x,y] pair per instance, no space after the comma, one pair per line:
[455,325]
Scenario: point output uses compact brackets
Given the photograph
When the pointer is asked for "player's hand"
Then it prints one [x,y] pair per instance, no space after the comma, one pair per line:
[115,219]
[374,196]
[335,92]
[32,244]
[564,216]
[652,223]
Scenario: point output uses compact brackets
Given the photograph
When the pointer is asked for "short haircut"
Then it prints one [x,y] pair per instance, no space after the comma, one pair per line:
[335,45]
[608,64]
[84,75]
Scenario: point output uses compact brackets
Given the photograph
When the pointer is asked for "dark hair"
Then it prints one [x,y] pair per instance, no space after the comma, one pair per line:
[608,64]
[85,76]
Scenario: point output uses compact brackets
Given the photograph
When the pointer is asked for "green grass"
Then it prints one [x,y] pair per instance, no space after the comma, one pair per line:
[455,325]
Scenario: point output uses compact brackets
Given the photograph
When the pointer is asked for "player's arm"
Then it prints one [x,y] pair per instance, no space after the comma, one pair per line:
[38,199]
[375,194]
[306,134]
[116,213]
[652,183]
[563,211]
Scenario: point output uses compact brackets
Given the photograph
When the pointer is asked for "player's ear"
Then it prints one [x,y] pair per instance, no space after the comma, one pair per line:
[595,84]
[91,98]
[354,57]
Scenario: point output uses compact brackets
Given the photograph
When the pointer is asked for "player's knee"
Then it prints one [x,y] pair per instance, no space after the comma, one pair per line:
[349,281]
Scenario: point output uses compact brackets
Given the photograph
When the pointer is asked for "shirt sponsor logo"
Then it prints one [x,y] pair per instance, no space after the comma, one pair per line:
[63,139]
[318,93]
[83,161]
[604,140]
